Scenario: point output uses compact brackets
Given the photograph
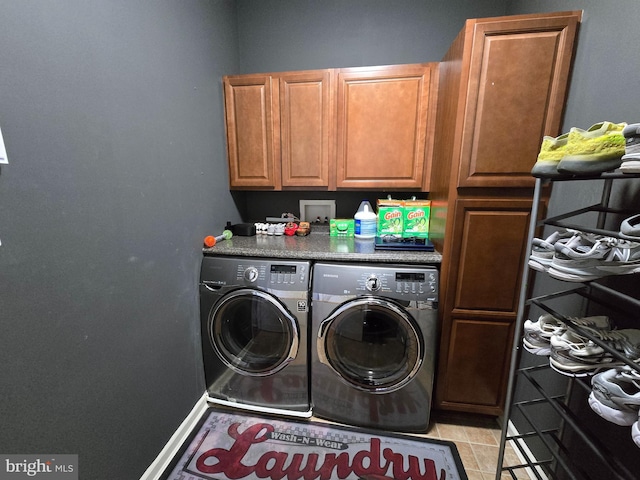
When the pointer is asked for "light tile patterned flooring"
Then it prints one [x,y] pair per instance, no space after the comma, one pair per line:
[478,441]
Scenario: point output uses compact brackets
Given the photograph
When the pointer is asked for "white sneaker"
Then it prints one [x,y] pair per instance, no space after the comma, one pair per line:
[537,335]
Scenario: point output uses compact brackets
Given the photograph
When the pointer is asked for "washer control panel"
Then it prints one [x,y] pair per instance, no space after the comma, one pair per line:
[273,274]
[285,275]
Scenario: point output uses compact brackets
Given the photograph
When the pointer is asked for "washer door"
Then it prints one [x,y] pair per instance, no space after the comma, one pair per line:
[372,343]
[253,333]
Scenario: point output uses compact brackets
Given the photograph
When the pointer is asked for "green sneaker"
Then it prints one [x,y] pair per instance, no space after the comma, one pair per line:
[551,152]
[596,150]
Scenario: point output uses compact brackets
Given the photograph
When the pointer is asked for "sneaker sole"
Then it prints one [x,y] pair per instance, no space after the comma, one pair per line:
[592,273]
[611,414]
[577,370]
[586,164]
[572,277]
[630,166]
[568,373]
[547,170]
[539,266]
[536,350]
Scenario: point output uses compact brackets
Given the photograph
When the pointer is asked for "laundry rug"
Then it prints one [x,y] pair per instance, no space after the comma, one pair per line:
[232,445]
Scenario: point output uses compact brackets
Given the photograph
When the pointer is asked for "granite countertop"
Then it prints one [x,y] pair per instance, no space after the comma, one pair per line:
[318,245]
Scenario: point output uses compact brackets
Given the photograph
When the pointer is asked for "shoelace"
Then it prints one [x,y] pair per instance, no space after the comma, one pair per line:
[615,249]
[618,339]
[558,328]
[631,376]
[586,324]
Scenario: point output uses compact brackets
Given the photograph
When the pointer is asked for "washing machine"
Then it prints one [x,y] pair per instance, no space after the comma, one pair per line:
[254,325]
[374,335]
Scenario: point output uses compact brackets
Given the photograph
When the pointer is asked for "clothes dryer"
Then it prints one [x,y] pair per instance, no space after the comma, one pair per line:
[254,325]
[374,332]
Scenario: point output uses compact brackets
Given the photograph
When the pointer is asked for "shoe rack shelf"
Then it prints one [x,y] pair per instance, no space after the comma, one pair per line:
[602,209]
[564,428]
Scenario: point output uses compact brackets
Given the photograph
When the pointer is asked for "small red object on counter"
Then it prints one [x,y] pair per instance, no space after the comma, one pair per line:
[290,228]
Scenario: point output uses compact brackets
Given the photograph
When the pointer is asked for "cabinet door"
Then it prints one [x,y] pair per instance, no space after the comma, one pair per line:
[306,126]
[518,75]
[382,126]
[481,301]
[479,349]
[252,133]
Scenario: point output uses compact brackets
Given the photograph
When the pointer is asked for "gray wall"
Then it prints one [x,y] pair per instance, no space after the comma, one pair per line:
[111,112]
[280,35]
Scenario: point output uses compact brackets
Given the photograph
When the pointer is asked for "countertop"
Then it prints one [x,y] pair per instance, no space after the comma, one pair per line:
[318,245]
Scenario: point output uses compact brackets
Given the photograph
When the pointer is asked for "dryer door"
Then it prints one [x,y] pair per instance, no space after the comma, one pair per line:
[253,333]
[372,343]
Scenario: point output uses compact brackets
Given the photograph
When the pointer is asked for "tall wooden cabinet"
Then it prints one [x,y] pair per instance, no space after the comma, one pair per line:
[352,128]
[502,87]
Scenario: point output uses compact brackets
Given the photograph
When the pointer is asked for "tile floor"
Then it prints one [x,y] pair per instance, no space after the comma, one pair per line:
[478,441]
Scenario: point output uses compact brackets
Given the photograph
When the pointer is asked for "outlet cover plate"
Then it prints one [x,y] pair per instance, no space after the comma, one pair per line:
[312,209]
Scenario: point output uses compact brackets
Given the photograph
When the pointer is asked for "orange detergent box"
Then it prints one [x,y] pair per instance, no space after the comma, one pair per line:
[416,218]
[390,217]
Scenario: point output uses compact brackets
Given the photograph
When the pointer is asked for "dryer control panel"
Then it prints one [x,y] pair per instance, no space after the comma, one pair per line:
[394,281]
[417,282]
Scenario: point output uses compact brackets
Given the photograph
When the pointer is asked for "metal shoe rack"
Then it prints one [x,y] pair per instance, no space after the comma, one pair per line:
[557,434]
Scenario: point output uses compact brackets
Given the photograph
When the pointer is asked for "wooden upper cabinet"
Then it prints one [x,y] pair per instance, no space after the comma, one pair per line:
[383,126]
[252,133]
[365,127]
[306,129]
[518,74]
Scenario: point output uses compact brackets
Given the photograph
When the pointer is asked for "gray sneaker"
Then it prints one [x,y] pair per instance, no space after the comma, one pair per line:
[630,228]
[584,357]
[631,157]
[615,395]
[608,256]
[542,250]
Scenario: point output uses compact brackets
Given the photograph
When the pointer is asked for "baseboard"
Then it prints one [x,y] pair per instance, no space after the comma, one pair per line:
[513,431]
[176,441]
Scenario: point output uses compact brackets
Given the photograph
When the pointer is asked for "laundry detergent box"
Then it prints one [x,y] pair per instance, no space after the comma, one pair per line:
[416,218]
[390,217]
[341,227]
